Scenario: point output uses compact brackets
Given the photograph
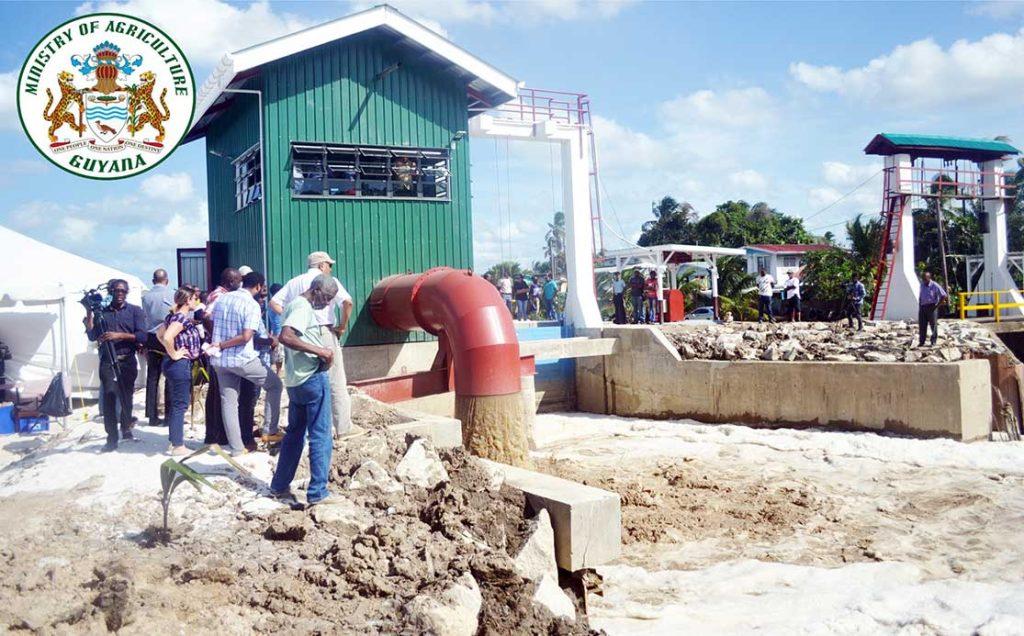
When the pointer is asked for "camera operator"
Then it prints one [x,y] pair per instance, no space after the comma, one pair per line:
[124,327]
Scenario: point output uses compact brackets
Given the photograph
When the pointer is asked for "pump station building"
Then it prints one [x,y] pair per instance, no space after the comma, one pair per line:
[349,137]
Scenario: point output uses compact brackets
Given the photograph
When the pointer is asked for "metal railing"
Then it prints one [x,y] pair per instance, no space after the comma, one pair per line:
[995,305]
[535,104]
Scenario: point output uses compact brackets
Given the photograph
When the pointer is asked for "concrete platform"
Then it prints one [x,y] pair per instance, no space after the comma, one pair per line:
[562,348]
[646,377]
[587,521]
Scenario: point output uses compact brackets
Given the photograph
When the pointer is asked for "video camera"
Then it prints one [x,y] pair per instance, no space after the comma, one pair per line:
[95,301]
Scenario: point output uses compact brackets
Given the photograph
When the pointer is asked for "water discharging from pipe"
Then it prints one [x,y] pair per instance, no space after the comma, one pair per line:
[474,326]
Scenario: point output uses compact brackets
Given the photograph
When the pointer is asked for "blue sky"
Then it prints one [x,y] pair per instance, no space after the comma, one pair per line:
[702,101]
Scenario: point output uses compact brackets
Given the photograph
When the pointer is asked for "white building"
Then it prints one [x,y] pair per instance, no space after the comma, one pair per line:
[778,260]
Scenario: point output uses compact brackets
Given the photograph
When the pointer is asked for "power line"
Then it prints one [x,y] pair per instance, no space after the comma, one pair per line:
[840,199]
[615,213]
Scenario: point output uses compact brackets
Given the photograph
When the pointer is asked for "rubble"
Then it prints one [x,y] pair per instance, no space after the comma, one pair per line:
[370,474]
[434,559]
[880,341]
[421,466]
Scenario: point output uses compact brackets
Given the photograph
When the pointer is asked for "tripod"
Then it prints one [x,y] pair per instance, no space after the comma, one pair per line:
[107,349]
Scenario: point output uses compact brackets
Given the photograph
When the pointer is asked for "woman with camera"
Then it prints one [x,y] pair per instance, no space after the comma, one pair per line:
[181,339]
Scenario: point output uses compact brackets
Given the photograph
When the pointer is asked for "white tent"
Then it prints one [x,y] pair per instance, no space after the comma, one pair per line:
[40,316]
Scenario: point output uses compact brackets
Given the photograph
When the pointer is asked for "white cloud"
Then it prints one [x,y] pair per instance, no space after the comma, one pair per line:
[923,73]
[734,108]
[168,187]
[998,9]
[181,230]
[207,29]
[76,230]
[837,173]
[848,190]
[34,214]
[622,147]
[8,102]
[749,181]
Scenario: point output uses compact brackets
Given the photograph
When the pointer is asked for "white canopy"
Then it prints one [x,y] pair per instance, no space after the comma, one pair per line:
[668,260]
[40,316]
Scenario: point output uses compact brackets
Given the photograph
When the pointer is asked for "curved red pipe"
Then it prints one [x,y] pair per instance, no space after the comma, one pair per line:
[467,312]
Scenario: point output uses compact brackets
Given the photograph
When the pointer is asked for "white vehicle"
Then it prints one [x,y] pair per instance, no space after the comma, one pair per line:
[701,313]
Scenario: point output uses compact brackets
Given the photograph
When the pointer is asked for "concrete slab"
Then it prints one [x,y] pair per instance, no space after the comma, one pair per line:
[587,521]
[561,348]
[443,432]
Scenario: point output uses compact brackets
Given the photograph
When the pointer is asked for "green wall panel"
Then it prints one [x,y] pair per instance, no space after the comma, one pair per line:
[336,93]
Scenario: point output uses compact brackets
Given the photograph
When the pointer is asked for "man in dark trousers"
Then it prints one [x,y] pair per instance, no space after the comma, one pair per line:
[156,302]
[932,295]
[124,326]
[855,294]
[619,298]
[636,292]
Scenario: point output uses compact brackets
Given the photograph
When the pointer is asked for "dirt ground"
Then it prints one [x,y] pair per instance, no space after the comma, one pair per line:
[89,557]
[745,521]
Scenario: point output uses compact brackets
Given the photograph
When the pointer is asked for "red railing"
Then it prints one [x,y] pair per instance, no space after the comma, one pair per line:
[535,104]
[950,181]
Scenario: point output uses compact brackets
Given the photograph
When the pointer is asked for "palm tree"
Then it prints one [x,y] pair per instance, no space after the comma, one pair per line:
[737,289]
[554,244]
[865,240]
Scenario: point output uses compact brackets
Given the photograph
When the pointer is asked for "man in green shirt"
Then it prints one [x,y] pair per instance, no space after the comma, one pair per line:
[307,359]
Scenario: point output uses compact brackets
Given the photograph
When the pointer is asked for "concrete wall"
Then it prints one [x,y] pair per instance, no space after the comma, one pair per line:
[646,377]
[380,361]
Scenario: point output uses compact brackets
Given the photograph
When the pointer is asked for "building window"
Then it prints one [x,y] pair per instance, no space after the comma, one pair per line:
[762,263]
[791,261]
[248,178]
[343,171]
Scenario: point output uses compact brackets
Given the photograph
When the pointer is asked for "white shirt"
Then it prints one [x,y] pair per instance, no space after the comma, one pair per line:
[300,285]
[505,285]
[618,286]
[792,288]
[765,285]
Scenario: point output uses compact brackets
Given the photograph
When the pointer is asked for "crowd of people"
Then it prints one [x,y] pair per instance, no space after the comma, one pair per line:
[529,296]
[237,338]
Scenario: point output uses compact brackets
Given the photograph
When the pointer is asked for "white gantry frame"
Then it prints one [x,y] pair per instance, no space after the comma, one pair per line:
[581,309]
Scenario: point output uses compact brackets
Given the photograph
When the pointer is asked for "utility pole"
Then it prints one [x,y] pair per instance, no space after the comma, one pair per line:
[942,240]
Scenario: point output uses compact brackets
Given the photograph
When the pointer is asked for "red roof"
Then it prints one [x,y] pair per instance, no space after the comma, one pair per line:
[790,248]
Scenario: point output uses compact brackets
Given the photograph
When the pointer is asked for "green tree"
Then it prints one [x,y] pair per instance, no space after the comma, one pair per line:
[554,245]
[673,223]
[731,224]
[865,239]
[512,268]
[737,290]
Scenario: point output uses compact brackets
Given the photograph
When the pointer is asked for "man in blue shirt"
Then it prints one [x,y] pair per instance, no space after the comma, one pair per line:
[550,291]
[855,294]
[156,302]
[932,295]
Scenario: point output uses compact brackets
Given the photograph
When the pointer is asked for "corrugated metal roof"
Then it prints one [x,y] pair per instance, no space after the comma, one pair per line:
[483,82]
[941,141]
[794,248]
[939,146]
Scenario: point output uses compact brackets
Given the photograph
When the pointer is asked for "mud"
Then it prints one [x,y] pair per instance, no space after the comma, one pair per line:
[676,502]
[66,569]
[370,414]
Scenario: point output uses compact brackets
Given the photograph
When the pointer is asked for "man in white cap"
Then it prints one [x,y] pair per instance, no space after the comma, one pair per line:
[333,320]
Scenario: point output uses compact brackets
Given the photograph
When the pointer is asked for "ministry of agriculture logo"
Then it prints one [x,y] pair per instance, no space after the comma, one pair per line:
[106,96]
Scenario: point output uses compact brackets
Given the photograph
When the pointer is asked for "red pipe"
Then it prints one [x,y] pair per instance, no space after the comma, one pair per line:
[466,312]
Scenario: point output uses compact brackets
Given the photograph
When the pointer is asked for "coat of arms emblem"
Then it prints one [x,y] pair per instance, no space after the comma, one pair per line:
[111,110]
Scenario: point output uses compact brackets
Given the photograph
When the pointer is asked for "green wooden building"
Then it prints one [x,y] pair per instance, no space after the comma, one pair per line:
[363,154]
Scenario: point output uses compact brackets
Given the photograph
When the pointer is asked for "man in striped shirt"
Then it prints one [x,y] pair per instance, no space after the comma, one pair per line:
[236,319]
